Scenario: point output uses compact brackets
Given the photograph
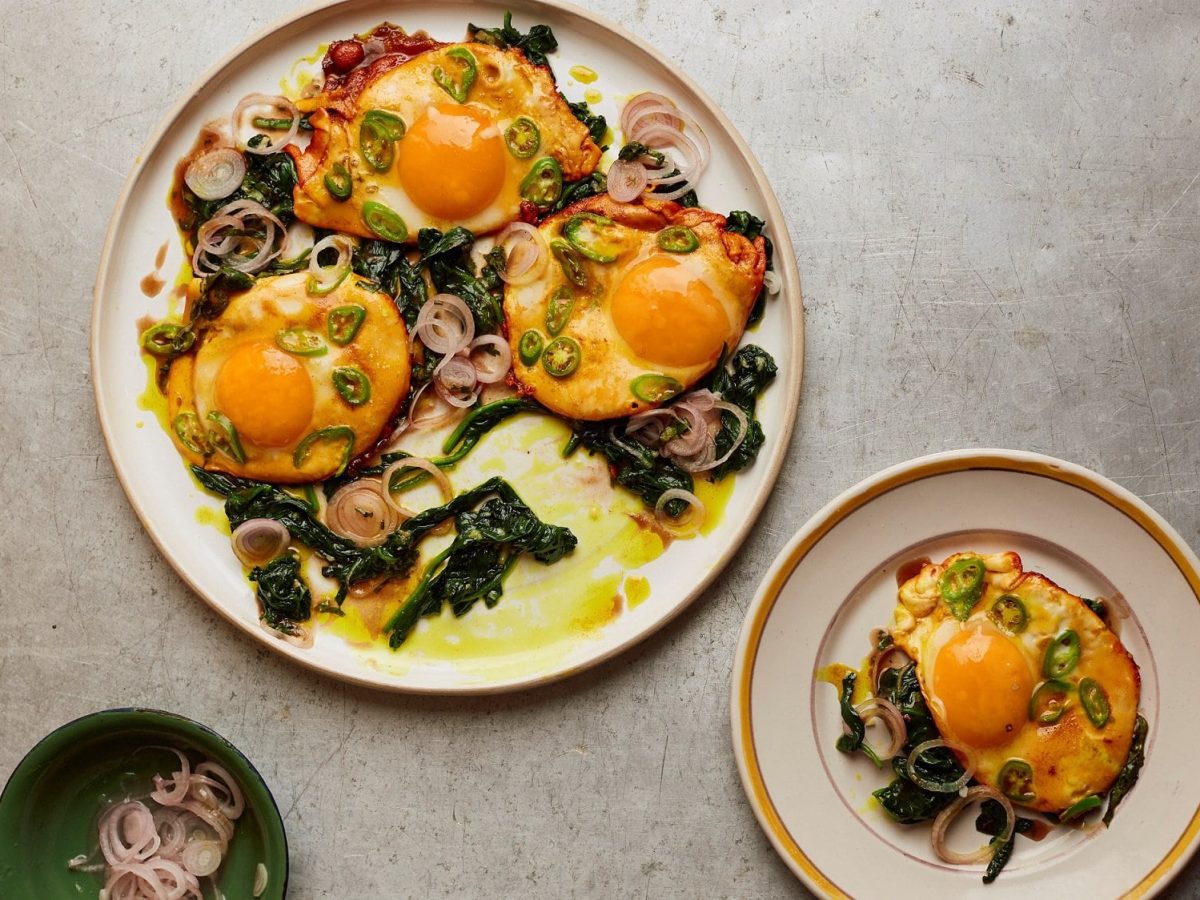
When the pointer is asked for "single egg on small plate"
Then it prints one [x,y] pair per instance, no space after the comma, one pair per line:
[638,302]
[287,386]
[463,134]
[1020,676]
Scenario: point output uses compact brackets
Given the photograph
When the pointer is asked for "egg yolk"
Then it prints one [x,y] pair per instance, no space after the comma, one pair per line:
[983,684]
[451,162]
[266,393]
[668,315]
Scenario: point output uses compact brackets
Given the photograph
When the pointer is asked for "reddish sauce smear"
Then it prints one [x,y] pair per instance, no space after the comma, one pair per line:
[910,569]
[349,65]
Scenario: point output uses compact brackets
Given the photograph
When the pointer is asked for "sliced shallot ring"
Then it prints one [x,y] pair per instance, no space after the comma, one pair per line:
[456,381]
[772,282]
[414,462]
[627,180]
[432,420]
[215,174]
[255,541]
[445,324]
[214,819]
[690,442]
[525,253]
[743,428]
[498,363]
[702,461]
[948,787]
[694,518]
[947,815]
[643,106]
[359,511]
[179,784]
[275,102]
[133,874]
[881,708]
[127,833]
[327,277]
[202,858]
[218,774]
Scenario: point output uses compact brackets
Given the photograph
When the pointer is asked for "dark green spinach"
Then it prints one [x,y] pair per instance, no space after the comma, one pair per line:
[991,820]
[447,259]
[751,226]
[1128,775]
[740,383]
[285,598]
[536,43]
[633,465]
[856,729]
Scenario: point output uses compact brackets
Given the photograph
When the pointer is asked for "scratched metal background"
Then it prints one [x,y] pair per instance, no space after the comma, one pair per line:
[996,218]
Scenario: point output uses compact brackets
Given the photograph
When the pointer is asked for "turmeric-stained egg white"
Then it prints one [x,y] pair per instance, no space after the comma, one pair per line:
[637,303]
[1021,677]
[457,135]
[286,385]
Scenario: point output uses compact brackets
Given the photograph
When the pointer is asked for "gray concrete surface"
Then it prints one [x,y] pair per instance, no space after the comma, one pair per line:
[995,210]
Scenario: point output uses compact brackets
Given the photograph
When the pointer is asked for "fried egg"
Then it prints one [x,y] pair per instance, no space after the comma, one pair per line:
[1026,678]
[457,135]
[288,387]
[642,297]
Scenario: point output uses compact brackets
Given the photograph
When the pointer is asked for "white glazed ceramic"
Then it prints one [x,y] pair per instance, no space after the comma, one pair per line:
[836,580]
[166,498]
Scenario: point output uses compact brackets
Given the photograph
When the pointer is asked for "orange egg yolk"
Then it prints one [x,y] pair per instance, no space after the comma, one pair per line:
[983,684]
[266,393]
[452,161]
[668,315]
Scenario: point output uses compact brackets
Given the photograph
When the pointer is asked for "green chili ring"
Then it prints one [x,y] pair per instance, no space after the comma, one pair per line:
[314,289]
[586,233]
[335,433]
[343,323]
[1080,808]
[168,339]
[224,437]
[376,148]
[1009,614]
[352,384]
[1062,655]
[458,89]
[384,222]
[301,342]
[1060,691]
[543,185]
[191,433]
[678,239]
[390,125]
[529,347]
[1016,781]
[339,182]
[523,137]
[558,311]
[655,388]
[561,357]
[1094,700]
[570,263]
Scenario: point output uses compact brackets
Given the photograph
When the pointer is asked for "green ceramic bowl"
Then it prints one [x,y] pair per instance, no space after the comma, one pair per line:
[53,799]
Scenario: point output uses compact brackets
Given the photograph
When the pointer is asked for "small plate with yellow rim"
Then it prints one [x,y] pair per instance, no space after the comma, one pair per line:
[836,580]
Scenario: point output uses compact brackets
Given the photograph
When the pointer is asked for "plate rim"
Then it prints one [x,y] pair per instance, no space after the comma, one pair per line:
[828,517]
[785,257]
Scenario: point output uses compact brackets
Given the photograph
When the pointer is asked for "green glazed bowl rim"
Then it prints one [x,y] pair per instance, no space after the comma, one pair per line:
[61,740]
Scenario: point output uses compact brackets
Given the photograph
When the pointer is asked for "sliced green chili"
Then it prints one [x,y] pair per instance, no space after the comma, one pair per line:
[336,433]
[458,89]
[1010,614]
[314,289]
[558,311]
[224,437]
[529,347]
[338,182]
[961,585]
[1094,700]
[1016,780]
[1062,655]
[655,388]
[343,323]
[1083,807]
[1049,701]
[168,339]
[384,221]
[544,183]
[571,264]
[390,125]
[352,384]
[301,342]
[594,236]
[561,356]
[678,239]
[191,433]
[376,148]
[523,138]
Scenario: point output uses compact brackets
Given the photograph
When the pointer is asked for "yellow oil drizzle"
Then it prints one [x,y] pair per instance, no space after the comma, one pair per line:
[151,400]
[593,96]
[292,85]
[637,590]
[215,518]
[835,674]
[583,74]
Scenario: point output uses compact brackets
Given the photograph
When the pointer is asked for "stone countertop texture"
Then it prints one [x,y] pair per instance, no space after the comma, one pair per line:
[995,211]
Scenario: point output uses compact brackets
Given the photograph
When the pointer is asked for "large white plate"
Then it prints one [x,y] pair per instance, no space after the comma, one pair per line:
[165,497]
[836,580]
